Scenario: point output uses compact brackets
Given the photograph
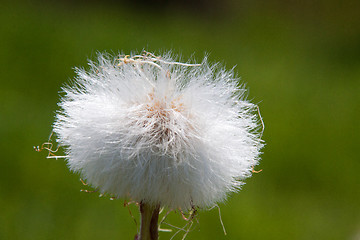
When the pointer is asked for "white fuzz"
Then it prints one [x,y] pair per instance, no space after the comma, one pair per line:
[159,131]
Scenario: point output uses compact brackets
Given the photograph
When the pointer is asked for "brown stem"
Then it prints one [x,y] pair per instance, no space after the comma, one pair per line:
[149,221]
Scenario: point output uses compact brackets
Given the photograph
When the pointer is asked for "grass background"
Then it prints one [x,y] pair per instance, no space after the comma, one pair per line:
[301,63]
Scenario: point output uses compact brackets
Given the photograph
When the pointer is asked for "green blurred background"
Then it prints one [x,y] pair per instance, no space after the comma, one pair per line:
[301,63]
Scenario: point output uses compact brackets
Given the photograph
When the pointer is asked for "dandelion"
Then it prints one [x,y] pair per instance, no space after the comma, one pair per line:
[159,132]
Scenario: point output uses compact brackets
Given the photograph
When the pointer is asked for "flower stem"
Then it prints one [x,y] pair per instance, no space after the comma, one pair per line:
[149,221]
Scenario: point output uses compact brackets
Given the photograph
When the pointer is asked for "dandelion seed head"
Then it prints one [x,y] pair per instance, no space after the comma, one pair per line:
[155,130]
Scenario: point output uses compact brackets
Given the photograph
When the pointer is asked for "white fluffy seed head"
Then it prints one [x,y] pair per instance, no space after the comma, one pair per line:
[155,130]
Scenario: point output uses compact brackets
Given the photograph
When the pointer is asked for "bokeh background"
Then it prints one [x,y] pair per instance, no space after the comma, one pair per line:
[301,63]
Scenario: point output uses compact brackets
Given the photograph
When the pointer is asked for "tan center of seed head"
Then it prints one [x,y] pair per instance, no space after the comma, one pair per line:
[160,110]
